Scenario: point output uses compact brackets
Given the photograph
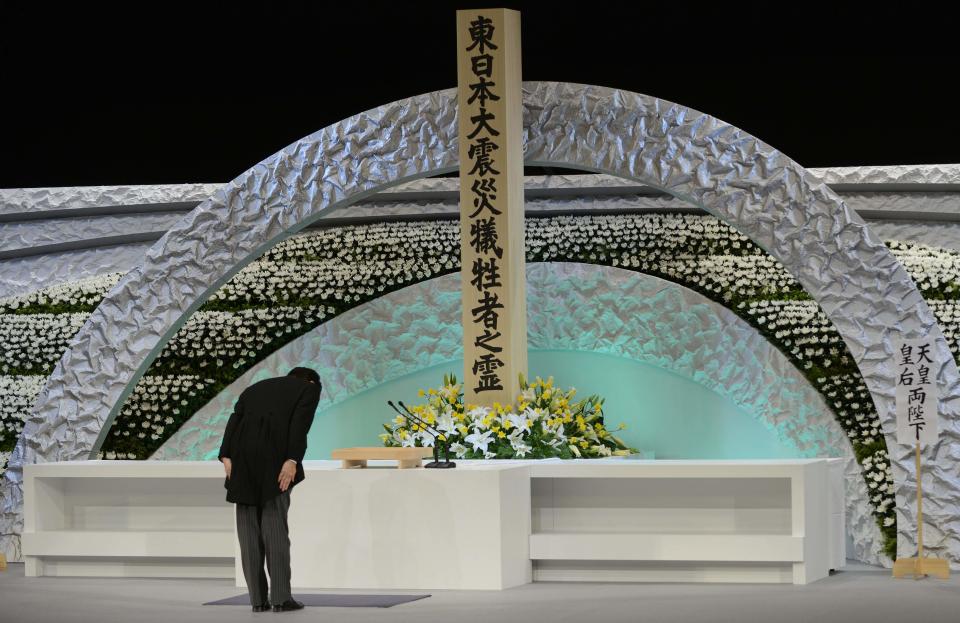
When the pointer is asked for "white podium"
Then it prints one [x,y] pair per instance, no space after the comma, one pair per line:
[483,525]
[387,528]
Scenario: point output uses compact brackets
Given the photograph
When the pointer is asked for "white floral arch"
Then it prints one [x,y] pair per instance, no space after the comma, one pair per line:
[753,187]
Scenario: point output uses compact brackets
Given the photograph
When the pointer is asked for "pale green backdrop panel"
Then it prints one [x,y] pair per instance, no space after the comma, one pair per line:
[667,414]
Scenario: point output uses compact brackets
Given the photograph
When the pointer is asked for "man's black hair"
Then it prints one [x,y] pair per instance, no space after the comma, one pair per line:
[305,374]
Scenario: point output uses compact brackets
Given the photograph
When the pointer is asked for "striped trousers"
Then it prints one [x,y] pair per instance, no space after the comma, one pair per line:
[263,533]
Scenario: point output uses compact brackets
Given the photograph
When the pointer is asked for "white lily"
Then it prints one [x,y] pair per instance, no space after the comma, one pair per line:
[520,447]
[446,424]
[518,421]
[427,439]
[602,450]
[534,414]
[480,441]
[478,413]
[459,449]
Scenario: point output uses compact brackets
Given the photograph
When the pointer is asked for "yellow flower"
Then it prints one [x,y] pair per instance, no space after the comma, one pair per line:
[432,392]
[463,430]
[421,393]
[501,434]
[547,394]
[442,437]
[584,444]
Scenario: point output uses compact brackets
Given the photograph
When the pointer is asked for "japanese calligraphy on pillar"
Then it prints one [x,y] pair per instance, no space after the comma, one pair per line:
[493,275]
[916,392]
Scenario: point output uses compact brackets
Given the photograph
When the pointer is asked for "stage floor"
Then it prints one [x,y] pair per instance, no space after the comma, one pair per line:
[857,594]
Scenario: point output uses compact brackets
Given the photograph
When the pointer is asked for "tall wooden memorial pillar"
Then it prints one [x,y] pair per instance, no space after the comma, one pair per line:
[493,277]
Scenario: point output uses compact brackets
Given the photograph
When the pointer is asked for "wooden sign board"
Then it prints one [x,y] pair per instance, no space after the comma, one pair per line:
[916,392]
[917,424]
[493,278]
[406,458]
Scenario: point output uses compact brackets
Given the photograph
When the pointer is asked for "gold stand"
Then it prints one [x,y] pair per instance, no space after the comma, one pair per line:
[3,562]
[920,567]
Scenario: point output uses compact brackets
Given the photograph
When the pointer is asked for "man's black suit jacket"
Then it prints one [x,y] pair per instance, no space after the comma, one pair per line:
[269,425]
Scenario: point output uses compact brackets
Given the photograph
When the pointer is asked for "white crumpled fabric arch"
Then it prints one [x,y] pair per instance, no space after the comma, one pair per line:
[768,197]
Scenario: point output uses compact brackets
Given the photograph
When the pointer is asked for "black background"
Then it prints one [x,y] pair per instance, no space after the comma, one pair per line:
[170,94]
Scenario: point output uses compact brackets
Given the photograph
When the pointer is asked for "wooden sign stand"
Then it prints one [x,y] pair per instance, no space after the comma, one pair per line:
[920,567]
[3,562]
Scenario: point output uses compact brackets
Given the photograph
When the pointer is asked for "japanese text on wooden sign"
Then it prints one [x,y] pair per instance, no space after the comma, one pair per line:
[916,392]
[493,281]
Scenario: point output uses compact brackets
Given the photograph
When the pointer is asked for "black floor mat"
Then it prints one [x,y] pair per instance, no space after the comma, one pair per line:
[331,600]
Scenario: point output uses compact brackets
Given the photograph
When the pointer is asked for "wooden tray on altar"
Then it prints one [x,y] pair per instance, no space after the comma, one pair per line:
[406,457]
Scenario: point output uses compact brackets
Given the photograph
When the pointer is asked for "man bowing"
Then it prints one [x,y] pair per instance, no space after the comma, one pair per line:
[262,451]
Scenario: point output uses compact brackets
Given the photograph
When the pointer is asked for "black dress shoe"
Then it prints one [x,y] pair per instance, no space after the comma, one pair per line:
[290,604]
[262,607]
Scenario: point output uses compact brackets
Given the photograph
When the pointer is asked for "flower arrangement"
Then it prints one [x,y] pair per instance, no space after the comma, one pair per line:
[948,315]
[936,271]
[74,296]
[33,343]
[17,394]
[880,484]
[159,403]
[544,422]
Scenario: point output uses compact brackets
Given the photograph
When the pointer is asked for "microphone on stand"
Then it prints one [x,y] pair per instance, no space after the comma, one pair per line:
[430,429]
[407,415]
